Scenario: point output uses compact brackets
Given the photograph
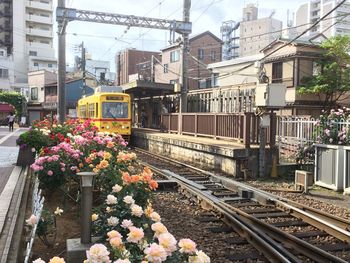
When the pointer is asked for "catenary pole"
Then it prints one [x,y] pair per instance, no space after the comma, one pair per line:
[185,52]
[61,110]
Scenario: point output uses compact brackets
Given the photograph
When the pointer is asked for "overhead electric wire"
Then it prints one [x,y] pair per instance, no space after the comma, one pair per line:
[286,44]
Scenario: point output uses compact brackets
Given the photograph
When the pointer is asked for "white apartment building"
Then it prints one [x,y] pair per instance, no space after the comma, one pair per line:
[337,23]
[7,74]
[33,37]
[256,33]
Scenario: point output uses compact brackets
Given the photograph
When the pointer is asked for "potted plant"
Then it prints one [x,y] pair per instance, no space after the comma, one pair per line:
[332,135]
[30,142]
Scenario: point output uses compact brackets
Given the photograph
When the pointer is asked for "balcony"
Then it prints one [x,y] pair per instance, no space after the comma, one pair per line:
[39,5]
[51,98]
[39,19]
[49,105]
[39,32]
[39,45]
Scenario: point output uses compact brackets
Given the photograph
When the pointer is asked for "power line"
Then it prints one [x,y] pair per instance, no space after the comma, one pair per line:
[286,44]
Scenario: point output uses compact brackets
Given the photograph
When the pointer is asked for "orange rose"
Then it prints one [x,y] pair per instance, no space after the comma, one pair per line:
[153,184]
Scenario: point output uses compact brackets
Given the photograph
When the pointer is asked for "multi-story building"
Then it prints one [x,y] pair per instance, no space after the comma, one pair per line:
[26,32]
[338,23]
[205,48]
[126,63]
[6,25]
[255,34]
[7,74]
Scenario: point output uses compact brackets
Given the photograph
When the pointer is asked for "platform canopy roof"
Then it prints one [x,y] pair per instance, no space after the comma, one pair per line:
[142,89]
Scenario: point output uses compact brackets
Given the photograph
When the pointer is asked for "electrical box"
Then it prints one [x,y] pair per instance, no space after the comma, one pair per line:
[270,95]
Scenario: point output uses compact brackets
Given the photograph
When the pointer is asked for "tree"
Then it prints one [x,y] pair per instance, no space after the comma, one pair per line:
[15,99]
[333,79]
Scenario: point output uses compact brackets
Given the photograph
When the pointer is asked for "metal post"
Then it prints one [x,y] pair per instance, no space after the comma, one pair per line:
[86,206]
[83,65]
[185,49]
[61,109]
[262,145]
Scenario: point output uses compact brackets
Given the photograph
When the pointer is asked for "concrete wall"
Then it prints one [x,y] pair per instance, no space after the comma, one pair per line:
[225,159]
[254,35]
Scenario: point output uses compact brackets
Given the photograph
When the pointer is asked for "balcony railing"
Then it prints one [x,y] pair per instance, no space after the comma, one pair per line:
[39,5]
[39,19]
[39,32]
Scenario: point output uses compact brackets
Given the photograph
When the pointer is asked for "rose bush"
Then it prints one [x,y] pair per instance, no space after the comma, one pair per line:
[130,230]
[331,127]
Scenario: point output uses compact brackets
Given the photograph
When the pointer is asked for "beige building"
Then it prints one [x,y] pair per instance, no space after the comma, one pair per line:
[289,65]
[37,81]
[255,33]
[205,48]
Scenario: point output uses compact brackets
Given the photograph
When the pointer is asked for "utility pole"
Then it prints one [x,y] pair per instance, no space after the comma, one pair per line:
[61,109]
[185,50]
[83,66]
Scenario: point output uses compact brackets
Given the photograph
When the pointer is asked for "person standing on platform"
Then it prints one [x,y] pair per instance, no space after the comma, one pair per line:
[11,119]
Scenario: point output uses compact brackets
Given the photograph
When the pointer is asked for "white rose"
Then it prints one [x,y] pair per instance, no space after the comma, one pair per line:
[111,200]
[136,210]
[112,221]
[129,200]
[116,188]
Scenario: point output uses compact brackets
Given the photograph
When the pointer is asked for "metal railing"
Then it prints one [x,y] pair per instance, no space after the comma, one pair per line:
[242,127]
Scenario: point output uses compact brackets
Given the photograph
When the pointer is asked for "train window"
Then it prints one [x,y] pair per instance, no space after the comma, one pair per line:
[96,110]
[91,110]
[114,110]
[82,111]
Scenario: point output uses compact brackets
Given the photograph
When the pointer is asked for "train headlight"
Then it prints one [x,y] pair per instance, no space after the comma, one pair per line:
[107,127]
[123,127]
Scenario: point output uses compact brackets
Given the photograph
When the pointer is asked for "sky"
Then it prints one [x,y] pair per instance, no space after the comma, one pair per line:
[103,41]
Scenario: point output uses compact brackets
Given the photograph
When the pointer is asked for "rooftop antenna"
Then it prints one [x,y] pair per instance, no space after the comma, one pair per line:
[272,13]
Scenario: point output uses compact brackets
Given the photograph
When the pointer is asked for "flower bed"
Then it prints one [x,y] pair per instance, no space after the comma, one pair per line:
[123,216]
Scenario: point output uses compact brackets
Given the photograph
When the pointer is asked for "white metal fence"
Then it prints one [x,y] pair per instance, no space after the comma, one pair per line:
[37,207]
[294,132]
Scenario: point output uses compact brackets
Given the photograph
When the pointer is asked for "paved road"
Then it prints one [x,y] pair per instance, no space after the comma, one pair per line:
[8,153]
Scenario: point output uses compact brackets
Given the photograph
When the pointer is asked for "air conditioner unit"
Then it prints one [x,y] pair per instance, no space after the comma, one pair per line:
[270,95]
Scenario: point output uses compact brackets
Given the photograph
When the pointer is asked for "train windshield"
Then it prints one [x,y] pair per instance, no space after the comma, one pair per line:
[114,110]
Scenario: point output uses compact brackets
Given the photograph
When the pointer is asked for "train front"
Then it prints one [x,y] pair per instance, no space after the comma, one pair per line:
[116,114]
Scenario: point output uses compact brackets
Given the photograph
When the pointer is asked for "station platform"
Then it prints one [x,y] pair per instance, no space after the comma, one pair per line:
[228,156]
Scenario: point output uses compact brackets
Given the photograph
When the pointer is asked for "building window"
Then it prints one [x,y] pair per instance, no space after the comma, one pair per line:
[49,65]
[165,68]
[213,55]
[33,53]
[277,72]
[174,56]
[103,76]
[36,64]
[200,54]
[34,93]
[2,53]
[215,80]
[4,73]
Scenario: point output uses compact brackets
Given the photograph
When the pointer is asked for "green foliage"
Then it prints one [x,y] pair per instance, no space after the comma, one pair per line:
[15,99]
[332,81]
[33,139]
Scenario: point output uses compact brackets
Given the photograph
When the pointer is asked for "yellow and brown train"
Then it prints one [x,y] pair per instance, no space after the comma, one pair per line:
[109,109]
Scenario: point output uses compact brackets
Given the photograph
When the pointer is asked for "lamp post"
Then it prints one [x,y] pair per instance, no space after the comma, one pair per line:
[86,206]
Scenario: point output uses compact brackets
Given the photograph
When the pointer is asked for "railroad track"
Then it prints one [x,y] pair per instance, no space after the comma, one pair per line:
[279,230]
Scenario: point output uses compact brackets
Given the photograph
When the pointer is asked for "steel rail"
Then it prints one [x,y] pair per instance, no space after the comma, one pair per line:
[324,223]
[331,224]
[264,244]
[288,240]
